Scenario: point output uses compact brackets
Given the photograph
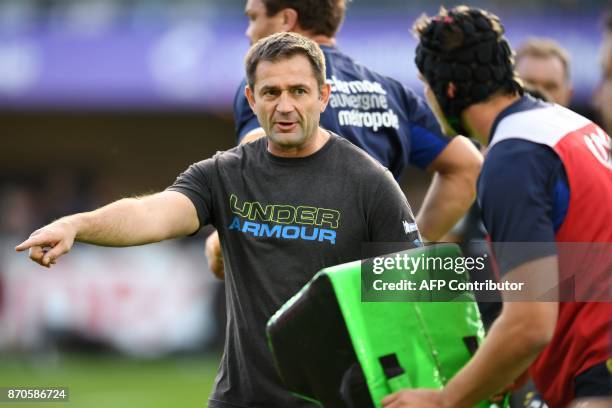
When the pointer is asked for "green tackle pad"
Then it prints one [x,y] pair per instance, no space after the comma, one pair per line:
[334,349]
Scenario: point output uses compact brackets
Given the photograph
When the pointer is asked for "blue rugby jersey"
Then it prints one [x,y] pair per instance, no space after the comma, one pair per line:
[374,112]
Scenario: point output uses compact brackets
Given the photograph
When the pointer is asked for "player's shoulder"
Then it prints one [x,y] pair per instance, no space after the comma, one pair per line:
[357,160]
[536,121]
[346,66]
[514,148]
[514,163]
[236,154]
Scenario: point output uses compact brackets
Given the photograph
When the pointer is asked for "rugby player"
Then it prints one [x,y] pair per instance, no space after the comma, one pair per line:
[546,179]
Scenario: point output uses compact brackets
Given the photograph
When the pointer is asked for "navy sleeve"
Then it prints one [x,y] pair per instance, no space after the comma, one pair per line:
[244,118]
[427,139]
[195,184]
[516,192]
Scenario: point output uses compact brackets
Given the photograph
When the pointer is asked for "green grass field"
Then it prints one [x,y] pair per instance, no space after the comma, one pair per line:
[112,381]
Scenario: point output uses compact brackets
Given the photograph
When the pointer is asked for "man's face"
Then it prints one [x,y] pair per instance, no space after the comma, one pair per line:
[287,101]
[603,97]
[546,74]
[260,25]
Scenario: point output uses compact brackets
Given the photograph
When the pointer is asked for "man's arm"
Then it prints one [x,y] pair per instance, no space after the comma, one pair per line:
[514,341]
[127,222]
[516,338]
[452,190]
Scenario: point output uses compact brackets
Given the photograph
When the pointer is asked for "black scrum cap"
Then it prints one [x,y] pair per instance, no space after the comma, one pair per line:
[465,60]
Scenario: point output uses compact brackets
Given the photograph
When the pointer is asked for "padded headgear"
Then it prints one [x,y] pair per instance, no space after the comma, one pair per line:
[464,61]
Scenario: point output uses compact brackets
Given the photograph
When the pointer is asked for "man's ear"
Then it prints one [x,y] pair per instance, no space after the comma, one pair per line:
[290,19]
[325,93]
[248,92]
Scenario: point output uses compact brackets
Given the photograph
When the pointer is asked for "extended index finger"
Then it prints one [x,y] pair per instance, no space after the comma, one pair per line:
[31,242]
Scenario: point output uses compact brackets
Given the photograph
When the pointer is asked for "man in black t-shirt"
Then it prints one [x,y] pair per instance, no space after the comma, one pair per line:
[286,206]
[374,112]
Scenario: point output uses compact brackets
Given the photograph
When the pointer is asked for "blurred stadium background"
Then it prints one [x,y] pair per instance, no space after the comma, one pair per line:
[105,98]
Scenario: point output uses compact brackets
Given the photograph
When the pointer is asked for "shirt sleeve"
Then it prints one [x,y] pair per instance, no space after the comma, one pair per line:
[390,217]
[427,140]
[244,118]
[516,194]
[194,183]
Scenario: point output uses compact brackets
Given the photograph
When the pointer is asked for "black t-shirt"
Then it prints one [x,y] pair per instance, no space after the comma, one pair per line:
[280,221]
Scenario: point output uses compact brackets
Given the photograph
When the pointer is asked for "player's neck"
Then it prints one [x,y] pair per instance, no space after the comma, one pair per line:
[479,118]
[318,38]
[324,40]
[311,146]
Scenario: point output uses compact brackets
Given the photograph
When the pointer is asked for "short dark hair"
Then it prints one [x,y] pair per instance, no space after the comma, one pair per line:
[282,46]
[320,17]
[465,59]
[544,48]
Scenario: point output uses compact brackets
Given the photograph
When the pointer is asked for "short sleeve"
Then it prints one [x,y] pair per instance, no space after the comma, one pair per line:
[244,118]
[390,217]
[195,184]
[516,194]
[427,140]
